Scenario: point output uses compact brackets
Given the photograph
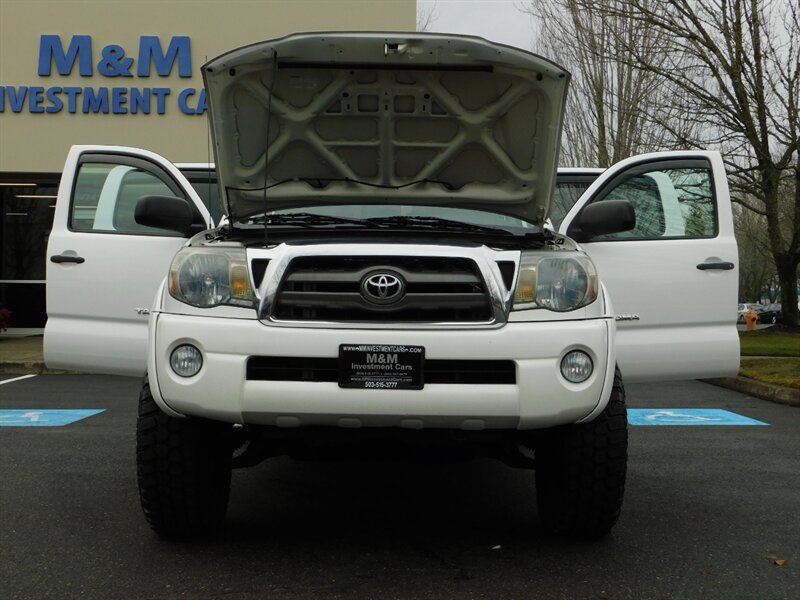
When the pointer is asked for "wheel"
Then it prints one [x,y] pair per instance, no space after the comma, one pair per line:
[580,471]
[183,470]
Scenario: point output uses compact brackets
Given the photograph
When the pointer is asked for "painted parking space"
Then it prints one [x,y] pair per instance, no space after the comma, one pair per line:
[687,417]
[4,379]
[636,417]
[33,417]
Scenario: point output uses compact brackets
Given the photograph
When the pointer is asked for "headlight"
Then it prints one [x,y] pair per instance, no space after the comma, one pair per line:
[558,283]
[209,277]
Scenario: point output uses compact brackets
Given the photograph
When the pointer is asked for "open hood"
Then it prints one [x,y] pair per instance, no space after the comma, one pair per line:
[385,118]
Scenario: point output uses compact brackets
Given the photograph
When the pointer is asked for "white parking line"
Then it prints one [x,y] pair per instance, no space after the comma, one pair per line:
[16,379]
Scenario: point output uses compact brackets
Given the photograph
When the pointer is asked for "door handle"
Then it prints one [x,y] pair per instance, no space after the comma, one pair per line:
[66,258]
[720,266]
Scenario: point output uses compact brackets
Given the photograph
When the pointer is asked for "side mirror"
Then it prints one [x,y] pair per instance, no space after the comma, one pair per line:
[601,218]
[167,212]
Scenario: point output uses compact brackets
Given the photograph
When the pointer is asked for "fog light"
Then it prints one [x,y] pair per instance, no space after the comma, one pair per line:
[576,366]
[186,360]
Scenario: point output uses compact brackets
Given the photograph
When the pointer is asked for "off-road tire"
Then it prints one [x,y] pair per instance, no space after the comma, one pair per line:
[183,469]
[580,471]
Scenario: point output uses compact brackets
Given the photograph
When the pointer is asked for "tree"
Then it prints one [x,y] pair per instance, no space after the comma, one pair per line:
[610,98]
[426,15]
[728,72]
[757,275]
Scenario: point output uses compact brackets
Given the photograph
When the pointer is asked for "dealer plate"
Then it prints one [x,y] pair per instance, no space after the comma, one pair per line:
[381,367]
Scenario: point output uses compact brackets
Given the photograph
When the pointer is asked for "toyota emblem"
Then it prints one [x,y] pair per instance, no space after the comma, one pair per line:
[383,287]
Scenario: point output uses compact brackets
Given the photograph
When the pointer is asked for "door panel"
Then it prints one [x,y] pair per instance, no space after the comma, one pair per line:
[673,279]
[103,268]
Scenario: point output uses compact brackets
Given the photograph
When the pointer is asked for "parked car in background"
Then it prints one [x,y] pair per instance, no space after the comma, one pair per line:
[771,313]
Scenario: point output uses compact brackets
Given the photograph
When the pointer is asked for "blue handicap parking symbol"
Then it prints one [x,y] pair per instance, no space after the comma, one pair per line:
[35,417]
[687,416]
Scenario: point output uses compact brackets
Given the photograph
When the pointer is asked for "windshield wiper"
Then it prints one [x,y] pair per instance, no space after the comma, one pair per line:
[306,220]
[433,223]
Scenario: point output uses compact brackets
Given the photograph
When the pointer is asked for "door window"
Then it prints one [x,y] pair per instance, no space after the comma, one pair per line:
[204,182]
[569,188]
[106,195]
[670,202]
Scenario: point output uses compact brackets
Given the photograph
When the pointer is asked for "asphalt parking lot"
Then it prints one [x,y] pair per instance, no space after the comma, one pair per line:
[711,511]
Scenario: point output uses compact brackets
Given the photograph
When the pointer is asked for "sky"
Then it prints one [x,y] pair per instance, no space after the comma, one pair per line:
[496,20]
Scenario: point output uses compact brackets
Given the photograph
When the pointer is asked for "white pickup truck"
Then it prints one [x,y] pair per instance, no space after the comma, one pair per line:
[386,279]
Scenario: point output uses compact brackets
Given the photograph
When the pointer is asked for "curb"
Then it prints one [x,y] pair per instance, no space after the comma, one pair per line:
[758,389]
[29,368]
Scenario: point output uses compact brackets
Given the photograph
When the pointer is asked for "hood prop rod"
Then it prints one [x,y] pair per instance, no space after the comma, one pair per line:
[266,146]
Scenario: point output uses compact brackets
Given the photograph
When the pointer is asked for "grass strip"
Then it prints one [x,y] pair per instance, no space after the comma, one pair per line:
[778,371]
[765,343]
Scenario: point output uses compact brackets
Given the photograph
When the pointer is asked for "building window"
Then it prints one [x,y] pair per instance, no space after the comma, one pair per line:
[27,204]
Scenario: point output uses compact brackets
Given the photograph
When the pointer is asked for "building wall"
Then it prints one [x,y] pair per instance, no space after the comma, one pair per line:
[38,141]
[51,98]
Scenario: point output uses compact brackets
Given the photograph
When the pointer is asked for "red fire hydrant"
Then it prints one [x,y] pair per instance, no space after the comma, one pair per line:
[751,318]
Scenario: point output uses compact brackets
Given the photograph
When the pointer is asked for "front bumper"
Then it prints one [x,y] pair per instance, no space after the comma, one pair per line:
[540,396]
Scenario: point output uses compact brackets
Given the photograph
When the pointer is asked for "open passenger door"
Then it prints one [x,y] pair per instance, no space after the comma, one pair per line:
[103,267]
[673,279]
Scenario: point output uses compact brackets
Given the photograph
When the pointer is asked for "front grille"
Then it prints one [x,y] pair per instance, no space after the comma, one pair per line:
[437,290]
[292,368]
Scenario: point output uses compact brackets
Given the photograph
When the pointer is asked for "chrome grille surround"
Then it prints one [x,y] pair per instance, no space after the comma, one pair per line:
[486,279]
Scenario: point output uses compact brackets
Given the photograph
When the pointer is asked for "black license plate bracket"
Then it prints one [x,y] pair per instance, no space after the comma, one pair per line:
[382,367]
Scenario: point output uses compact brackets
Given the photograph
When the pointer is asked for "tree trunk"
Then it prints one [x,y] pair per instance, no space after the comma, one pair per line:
[787,276]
